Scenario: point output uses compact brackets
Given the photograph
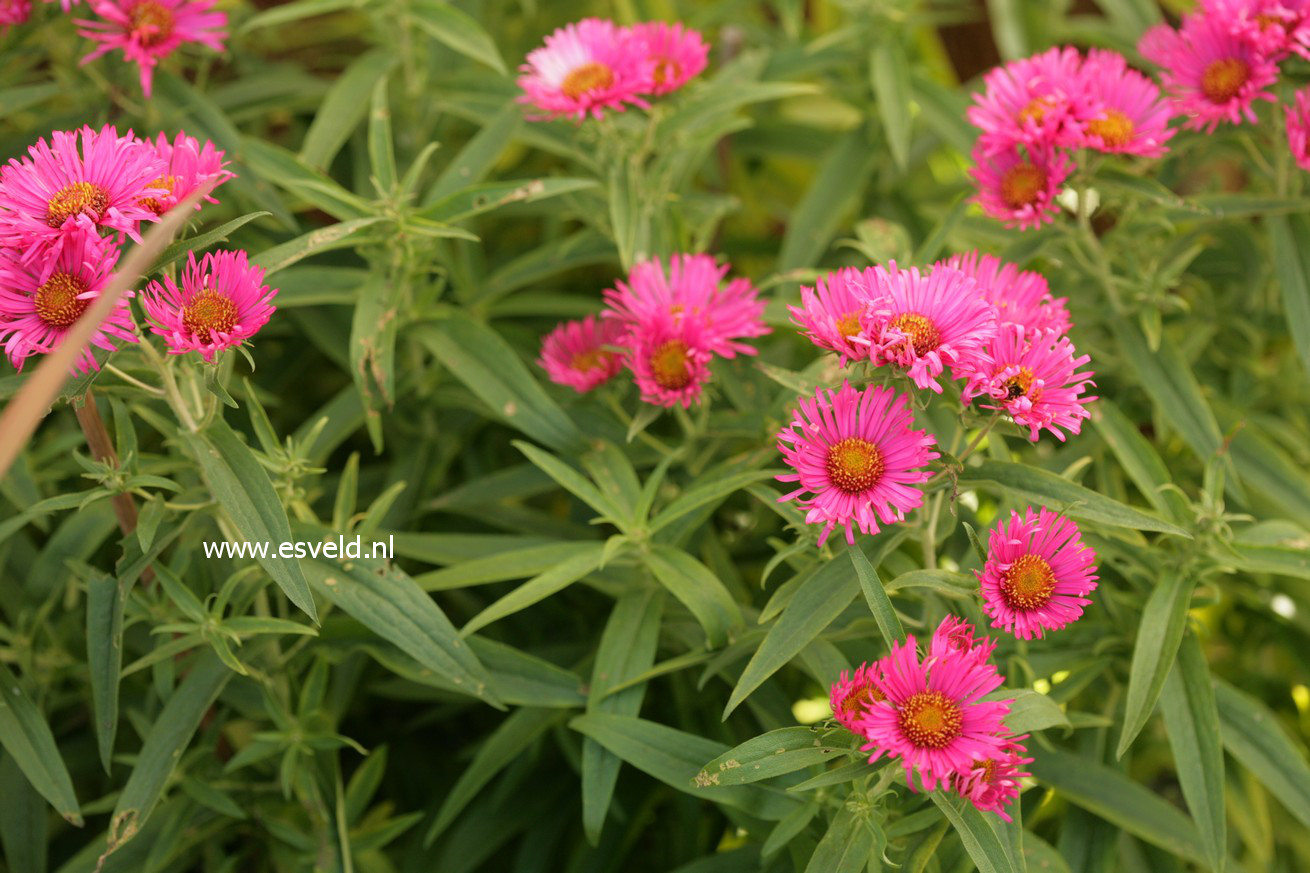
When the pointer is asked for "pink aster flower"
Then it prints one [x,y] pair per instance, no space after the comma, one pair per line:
[187,166]
[1020,188]
[66,5]
[674,55]
[584,69]
[39,303]
[926,322]
[830,312]
[1037,575]
[934,718]
[1021,297]
[955,636]
[1126,114]
[61,190]
[148,30]
[670,359]
[858,457]
[1272,27]
[13,12]
[992,783]
[692,289]
[1035,102]
[575,353]
[851,695]
[1213,75]
[221,304]
[1298,128]
[1033,377]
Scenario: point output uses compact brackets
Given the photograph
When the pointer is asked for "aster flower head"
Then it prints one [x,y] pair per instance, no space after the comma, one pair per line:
[1019,187]
[188,165]
[575,353]
[1021,297]
[1125,113]
[1036,102]
[1038,574]
[830,312]
[670,360]
[933,716]
[80,182]
[673,55]
[992,783]
[40,302]
[1298,128]
[221,303]
[926,322]
[853,693]
[857,456]
[13,12]
[583,69]
[1034,378]
[955,637]
[691,289]
[146,31]
[1273,27]
[1213,75]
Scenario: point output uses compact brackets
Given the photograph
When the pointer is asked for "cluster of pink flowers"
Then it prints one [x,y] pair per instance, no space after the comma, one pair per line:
[1034,112]
[665,324]
[928,710]
[594,65]
[67,208]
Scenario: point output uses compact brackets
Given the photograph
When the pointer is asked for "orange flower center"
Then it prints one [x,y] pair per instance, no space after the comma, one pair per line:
[919,331]
[930,720]
[1115,129]
[76,199]
[165,182]
[667,70]
[1028,584]
[56,302]
[671,366]
[1019,384]
[855,465]
[592,359]
[1224,78]
[1037,108]
[151,22]
[989,770]
[209,310]
[1022,184]
[1267,21]
[591,76]
[859,698]
[849,324]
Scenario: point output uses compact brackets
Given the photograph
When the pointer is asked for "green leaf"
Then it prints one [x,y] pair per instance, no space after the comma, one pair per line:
[1140,461]
[556,579]
[698,589]
[503,566]
[456,30]
[982,834]
[104,655]
[1253,736]
[373,352]
[301,9]
[241,486]
[23,826]
[180,249]
[846,846]
[702,495]
[771,754]
[1008,27]
[1279,560]
[289,172]
[1030,711]
[827,202]
[1291,244]
[1191,720]
[891,86]
[381,141]
[1158,636]
[344,107]
[479,155]
[478,199]
[1044,487]
[28,740]
[889,623]
[323,239]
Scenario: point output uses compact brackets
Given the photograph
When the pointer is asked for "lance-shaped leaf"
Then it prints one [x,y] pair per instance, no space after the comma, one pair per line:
[25,735]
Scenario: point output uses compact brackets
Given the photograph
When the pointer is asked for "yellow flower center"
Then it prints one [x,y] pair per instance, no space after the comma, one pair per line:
[859,699]
[930,720]
[1115,129]
[1028,584]
[919,331]
[592,359]
[1224,78]
[855,465]
[165,182]
[75,199]
[151,22]
[1022,184]
[1037,108]
[56,302]
[849,324]
[591,76]
[1019,384]
[209,310]
[667,70]
[989,770]
[671,366]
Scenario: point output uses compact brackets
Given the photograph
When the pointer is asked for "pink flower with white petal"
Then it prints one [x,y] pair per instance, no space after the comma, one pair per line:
[1126,114]
[991,784]
[1021,297]
[1034,378]
[830,312]
[146,31]
[674,55]
[857,456]
[1038,574]
[852,694]
[575,353]
[583,69]
[188,165]
[1035,102]
[1018,187]
[1298,128]
[40,302]
[670,360]
[221,303]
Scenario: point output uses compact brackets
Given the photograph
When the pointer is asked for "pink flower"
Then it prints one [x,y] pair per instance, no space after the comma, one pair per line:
[691,290]
[934,718]
[670,359]
[149,30]
[574,353]
[221,304]
[1298,128]
[1037,575]
[1021,297]
[66,5]
[187,166]
[1019,188]
[60,190]
[857,455]
[1032,377]
[851,695]
[1035,102]
[992,783]
[1213,75]
[955,636]
[13,12]
[674,55]
[1126,115]
[1272,27]
[830,312]
[925,323]
[39,303]
[584,69]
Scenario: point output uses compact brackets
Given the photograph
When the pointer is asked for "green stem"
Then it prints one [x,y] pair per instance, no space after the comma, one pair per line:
[171,391]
